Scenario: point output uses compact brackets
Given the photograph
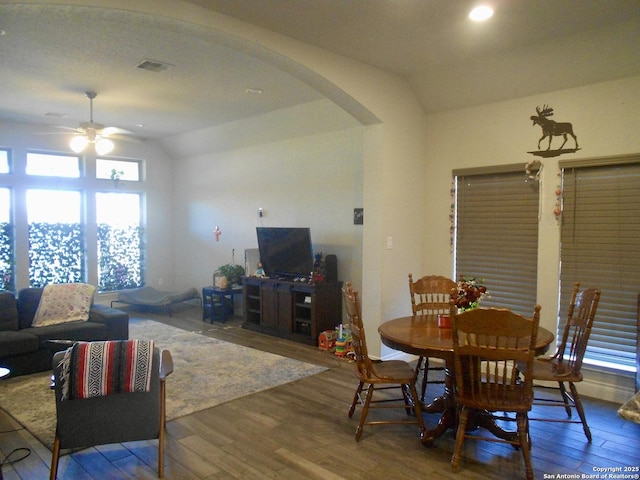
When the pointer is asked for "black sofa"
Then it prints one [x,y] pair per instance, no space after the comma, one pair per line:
[24,349]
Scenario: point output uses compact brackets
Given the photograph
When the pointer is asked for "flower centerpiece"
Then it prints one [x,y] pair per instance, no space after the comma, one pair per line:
[471,292]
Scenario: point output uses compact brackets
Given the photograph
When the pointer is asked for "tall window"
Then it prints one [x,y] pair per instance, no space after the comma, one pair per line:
[118,169]
[496,234]
[600,248]
[56,243]
[7,252]
[4,161]
[49,165]
[120,252]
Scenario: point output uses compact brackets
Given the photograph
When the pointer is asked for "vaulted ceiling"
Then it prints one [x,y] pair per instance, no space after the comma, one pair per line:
[52,53]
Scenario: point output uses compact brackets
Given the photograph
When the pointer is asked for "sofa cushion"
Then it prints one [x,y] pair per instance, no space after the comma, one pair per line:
[17,342]
[85,331]
[8,311]
[28,300]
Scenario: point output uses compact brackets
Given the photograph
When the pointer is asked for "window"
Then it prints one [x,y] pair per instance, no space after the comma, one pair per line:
[7,252]
[118,169]
[56,244]
[600,248]
[49,165]
[4,161]
[120,260]
[496,234]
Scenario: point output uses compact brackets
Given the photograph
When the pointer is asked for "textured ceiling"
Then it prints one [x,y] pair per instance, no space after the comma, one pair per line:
[52,53]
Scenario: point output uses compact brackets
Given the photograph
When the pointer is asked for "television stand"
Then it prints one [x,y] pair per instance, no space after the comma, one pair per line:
[293,310]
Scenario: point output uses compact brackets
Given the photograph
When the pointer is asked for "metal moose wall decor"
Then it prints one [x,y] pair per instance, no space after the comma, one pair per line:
[552,129]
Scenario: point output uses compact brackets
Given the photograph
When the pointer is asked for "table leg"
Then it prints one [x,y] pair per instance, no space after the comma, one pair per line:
[485,420]
[445,404]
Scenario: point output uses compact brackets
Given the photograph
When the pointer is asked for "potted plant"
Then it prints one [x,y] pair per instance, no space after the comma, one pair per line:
[233,273]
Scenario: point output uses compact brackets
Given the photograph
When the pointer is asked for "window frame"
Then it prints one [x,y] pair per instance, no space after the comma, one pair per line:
[505,188]
[613,339]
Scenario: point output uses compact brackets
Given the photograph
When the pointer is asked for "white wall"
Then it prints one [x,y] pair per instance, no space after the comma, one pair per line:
[157,186]
[310,181]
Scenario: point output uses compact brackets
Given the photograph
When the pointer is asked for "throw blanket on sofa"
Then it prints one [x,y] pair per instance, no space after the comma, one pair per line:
[64,302]
[93,369]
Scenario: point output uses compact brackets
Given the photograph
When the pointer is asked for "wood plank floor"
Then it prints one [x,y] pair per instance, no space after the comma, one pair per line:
[301,431]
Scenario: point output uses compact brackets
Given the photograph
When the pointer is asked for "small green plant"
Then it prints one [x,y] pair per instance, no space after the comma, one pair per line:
[233,273]
[116,174]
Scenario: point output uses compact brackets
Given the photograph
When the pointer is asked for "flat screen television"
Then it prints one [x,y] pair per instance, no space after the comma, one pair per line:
[285,252]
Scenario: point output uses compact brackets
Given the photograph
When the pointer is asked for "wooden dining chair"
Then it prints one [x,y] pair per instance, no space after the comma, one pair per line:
[379,375]
[565,364]
[429,295]
[488,343]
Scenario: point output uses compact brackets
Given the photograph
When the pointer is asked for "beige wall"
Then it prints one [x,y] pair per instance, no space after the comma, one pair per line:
[406,160]
[605,118]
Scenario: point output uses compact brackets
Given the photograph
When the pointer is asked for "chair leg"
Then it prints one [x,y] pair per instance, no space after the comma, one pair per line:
[525,445]
[417,410]
[365,412]
[578,403]
[423,364]
[161,434]
[356,397]
[462,428]
[565,398]
[55,456]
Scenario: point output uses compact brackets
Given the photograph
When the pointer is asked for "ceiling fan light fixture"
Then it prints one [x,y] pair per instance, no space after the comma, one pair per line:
[104,146]
[78,143]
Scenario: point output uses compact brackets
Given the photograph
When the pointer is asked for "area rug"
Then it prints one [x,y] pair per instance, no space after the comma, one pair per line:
[207,372]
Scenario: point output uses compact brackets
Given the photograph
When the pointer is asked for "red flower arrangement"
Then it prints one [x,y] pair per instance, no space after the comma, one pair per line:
[471,292]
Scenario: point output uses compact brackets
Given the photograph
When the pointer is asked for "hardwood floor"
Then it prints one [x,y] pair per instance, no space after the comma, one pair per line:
[301,431]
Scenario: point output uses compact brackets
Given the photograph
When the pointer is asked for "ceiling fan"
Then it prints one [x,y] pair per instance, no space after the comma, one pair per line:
[94,133]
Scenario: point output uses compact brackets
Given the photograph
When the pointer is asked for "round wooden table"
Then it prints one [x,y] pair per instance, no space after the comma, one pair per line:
[420,335]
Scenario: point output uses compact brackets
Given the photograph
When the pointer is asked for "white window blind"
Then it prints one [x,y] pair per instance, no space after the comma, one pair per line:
[496,235]
[600,248]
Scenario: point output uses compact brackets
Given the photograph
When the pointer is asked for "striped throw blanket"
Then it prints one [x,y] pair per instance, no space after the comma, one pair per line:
[93,369]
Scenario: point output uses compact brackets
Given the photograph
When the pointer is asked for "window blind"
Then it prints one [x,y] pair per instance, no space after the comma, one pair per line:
[600,248]
[496,235]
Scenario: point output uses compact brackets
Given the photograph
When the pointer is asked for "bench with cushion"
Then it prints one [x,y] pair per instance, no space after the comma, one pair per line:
[150,297]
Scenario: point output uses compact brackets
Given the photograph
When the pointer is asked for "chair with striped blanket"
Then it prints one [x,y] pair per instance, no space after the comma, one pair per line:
[110,392]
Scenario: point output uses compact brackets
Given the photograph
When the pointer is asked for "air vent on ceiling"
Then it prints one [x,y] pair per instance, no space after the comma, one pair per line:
[154,66]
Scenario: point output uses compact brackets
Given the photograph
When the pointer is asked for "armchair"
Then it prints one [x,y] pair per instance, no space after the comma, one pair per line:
[113,418]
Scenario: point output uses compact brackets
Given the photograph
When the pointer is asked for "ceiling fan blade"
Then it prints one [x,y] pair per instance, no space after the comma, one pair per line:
[62,131]
[125,138]
[108,131]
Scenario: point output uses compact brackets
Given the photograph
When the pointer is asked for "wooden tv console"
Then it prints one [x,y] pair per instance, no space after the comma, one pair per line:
[292,310]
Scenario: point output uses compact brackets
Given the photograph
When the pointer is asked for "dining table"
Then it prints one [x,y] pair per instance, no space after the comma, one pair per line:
[420,335]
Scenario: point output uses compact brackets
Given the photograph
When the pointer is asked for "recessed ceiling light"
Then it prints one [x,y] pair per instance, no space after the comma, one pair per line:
[481,13]
[255,91]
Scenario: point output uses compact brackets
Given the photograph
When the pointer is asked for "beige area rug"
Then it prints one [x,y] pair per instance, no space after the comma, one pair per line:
[207,372]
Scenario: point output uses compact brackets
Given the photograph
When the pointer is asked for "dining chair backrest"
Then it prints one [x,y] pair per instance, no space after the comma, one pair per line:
[358,338]
[430,294]
[577,330]
[491,347]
